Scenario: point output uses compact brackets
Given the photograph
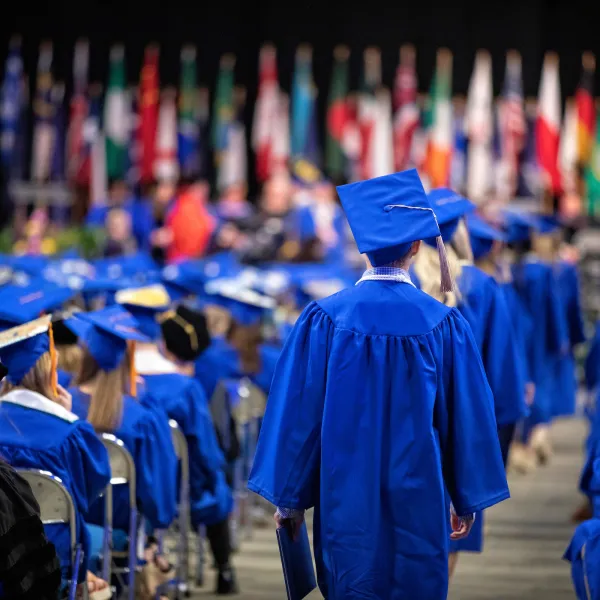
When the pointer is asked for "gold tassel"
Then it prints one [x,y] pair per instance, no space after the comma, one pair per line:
[132,371]
[53,363]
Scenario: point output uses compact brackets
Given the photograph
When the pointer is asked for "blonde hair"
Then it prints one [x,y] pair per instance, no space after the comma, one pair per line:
[108,387]
[427,269]
[69,357]
[37,379]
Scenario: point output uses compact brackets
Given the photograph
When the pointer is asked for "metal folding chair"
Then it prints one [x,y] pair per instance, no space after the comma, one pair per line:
[123,473]
[57,507]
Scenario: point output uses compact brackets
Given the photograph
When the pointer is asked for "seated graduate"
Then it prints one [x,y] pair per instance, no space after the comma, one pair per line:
[39,431]
[534,280]
[104,393]
[584,555]
[482,303]
[240,351]
[68,350]
[182,335]
[371,418]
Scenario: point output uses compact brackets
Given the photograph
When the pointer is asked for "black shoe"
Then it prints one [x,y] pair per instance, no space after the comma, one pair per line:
[226,582]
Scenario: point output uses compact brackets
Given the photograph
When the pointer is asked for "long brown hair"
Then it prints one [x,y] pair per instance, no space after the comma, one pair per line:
[69,357]
[38,379]
[108,387]
[246,339]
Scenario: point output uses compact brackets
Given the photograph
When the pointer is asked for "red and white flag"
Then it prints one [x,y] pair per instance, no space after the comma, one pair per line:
[76,147]
[166,166]
[406,111]
[547,127]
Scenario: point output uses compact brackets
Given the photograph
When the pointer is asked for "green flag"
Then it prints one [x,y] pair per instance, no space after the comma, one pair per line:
[592,175]
[223,106]
[188,118]
[116,116]
[335,160]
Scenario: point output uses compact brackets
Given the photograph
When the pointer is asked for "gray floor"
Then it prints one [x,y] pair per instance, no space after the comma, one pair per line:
[525,540]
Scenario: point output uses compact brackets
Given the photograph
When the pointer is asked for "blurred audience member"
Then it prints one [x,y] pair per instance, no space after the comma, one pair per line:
[119,234]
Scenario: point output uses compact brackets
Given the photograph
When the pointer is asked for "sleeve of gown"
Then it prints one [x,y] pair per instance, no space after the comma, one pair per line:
[207,371]
[503,364]
[88,463]
[287,462]
[558,335]
[156,469]
[472,462]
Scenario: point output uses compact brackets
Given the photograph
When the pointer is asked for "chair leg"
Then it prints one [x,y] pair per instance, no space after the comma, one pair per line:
[200,562]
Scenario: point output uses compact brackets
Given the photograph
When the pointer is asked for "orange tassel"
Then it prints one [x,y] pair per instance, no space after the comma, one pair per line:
[53,363]
[132,372]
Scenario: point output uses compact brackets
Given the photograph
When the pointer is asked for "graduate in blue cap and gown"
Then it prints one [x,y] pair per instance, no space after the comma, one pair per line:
[584,555]
[372,418]
[481,301]
[535,282]
[39,431]
[183,334]
[105,393]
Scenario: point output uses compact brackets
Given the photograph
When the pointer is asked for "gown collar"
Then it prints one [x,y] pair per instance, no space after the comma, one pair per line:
[35,401]
[386,274]
[149,361]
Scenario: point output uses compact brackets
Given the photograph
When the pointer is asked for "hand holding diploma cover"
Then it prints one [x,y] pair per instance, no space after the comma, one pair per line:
[296,559]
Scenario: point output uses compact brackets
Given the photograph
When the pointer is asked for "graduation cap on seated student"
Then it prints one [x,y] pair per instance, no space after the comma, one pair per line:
[22,346]
[145,304]
[483,235]
[184,332]
[107,334]
[387,214]
[306,173]
[517,225]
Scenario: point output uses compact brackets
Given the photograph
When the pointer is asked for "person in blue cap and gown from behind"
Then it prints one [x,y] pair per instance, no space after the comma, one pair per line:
[481,302]
[182,334]
[534,280]
[584,555]
[371,418]
[39,431]
[105,394]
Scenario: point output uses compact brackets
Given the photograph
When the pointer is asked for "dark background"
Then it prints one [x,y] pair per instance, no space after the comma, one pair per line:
[215,27]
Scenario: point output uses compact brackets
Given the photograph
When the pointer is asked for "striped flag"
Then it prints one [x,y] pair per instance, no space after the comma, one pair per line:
[547,129]
[148,109]
[512,127]
[406,111]
[187,135]
[264,125]
[223,110]
[10,111]
[166,166]
[76,147]
[479,126]
[585,109]
[116,115]
[234,167]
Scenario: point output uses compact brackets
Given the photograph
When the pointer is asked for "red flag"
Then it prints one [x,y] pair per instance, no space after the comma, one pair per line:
[586,110]
[77,165]
[148,113]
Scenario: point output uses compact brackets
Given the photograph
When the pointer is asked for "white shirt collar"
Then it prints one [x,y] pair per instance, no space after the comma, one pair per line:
[35,401]
[149,361]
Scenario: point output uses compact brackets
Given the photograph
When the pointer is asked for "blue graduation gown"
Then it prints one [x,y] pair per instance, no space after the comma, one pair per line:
[64,378]
[567,282]
[36,433]
[184,400]
[584,555]
[369,420]
[146,434]
[535,283]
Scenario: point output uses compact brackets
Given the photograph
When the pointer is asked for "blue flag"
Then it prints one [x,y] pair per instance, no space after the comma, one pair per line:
[10,112]
[303,102]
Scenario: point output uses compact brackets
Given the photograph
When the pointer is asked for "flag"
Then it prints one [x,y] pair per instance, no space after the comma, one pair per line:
[592,174]
[187,134]
[166,167]
[148,109]
[547,128]
[406,111]
[458,162]
[264,124]
[234,166]
[43,131]
[223,110]
[337,114]
[76,147]
[116,115]
[203,116]
[91,128]
[20,155]
[12,101]
[99,176]
[479,126]
[585,109]
[303,102]
[382,140]
[568,149]
[134,141]
[512,128]
[367,110]
[438,117]
[58,165]
[281,142]
[529,173]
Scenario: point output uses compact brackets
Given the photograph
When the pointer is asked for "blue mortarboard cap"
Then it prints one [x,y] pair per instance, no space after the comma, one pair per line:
[449,208]
[245,305]
[518,225]
[145,304]
[387,214]
[23,304]
[547,224]
[106,333]
[31,264]
[306,173]
[482,235]
[22,346]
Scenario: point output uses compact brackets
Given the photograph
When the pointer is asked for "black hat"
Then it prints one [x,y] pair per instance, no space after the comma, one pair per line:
[185,332]
[63,336]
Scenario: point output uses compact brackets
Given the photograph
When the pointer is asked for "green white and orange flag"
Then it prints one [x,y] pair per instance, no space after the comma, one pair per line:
[439,121]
